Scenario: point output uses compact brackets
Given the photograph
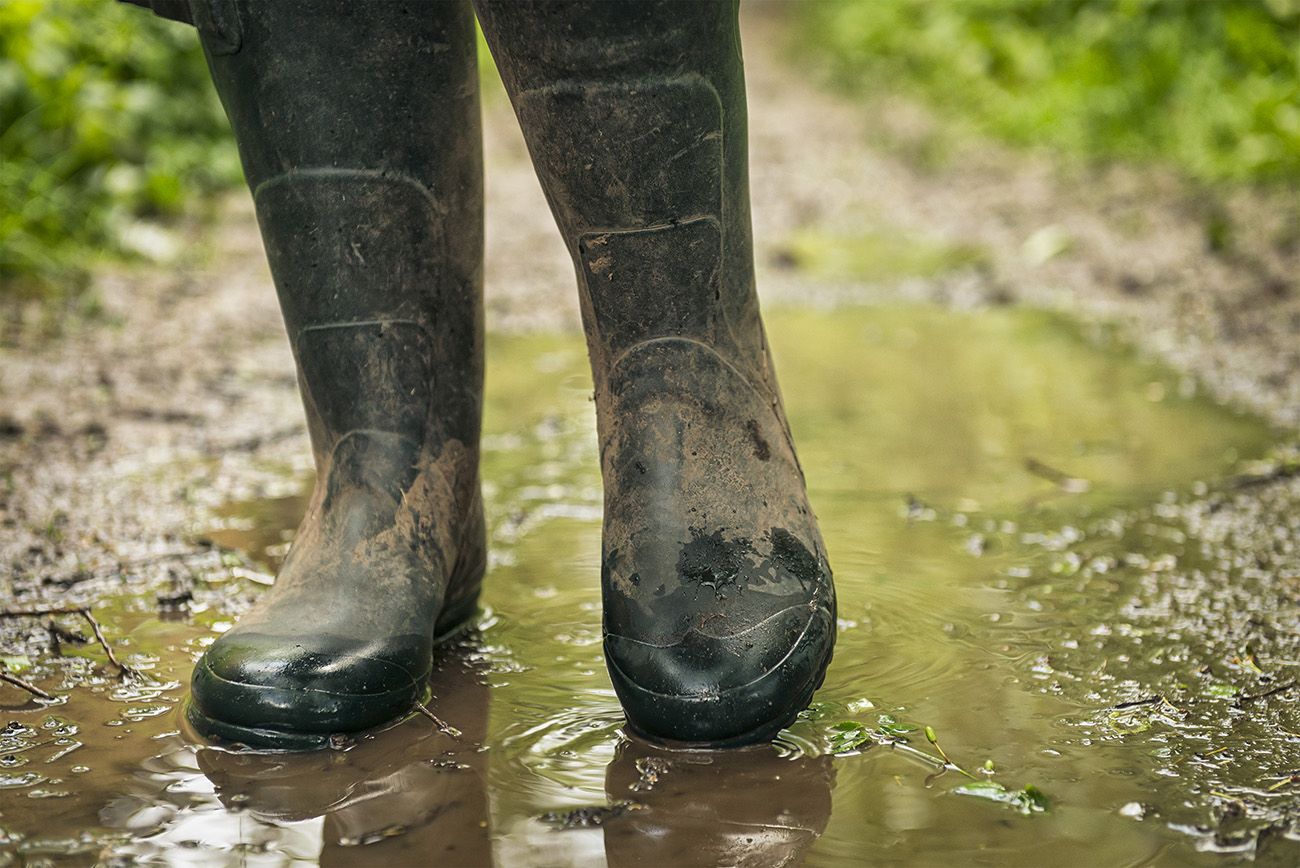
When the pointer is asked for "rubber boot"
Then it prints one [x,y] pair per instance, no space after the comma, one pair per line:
[358,128]
[417,796]
[719,611]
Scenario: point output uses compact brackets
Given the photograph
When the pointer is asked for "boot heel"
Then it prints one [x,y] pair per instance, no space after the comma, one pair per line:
[456,618]
[466,579]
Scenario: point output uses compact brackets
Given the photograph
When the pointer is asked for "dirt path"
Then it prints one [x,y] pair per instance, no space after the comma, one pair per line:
[121,434]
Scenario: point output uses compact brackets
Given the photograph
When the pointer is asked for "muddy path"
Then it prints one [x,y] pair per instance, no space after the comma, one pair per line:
[179,392]
[125,435]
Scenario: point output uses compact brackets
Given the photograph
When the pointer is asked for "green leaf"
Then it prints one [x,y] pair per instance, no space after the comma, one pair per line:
[15,662]
[1030,800]
[848,736]
[889,727]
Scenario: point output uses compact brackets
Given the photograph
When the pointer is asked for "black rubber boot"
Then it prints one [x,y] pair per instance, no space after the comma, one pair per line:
[427,783]
[719,607]
[358,127]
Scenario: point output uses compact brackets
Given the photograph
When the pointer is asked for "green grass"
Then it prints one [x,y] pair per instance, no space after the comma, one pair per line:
[1211,87]
[106,116]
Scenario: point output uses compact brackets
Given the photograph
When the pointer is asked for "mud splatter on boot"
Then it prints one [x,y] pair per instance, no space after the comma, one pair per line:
[719,607]
[365,171]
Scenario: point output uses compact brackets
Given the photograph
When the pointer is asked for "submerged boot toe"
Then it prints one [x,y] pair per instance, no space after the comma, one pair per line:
[723,690]
[719,602]
[292,692]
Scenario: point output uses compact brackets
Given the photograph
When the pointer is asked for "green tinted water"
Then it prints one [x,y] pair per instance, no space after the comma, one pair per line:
[1011,572]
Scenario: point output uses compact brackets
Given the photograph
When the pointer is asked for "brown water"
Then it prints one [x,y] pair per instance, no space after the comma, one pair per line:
[1020,518]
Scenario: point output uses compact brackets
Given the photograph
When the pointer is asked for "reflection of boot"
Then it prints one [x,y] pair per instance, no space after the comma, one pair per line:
[358,129]
[405,796]
[719,608]
[745,807]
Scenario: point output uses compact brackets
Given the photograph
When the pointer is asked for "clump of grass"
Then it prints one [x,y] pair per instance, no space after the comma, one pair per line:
[107,115]
[850,737]
[1213,88]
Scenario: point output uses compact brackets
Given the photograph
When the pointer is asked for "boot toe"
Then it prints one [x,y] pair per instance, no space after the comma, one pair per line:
[294,692]
[723,690]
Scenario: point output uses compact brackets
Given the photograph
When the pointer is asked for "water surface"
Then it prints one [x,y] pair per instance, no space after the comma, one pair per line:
[1010,503]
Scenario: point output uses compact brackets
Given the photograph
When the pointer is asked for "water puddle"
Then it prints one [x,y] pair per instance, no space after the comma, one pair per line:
[1038,559]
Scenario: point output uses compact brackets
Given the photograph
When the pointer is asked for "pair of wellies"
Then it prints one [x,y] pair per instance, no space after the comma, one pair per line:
[358,127]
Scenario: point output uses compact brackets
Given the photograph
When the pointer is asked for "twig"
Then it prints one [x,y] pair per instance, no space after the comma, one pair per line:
[1059,478]
[904,748]
[1151,700]
[1274,474]
[1242,700]
[123,670]
[76,578]
[25,685]
[1289,779]
[40,613]
[443,726]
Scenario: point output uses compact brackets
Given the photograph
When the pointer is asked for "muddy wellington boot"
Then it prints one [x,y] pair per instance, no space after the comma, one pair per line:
[429,784]
[719,609]
[358,127]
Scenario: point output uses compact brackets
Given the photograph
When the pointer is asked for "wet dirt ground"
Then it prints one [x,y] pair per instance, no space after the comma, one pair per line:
[1077,566]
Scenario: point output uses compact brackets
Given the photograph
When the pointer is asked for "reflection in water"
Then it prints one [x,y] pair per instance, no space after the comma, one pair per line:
[416,794]
[412,794]
[751,807]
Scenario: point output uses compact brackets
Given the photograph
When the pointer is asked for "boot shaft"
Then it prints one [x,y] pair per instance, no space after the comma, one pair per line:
[634,115]
[358,128]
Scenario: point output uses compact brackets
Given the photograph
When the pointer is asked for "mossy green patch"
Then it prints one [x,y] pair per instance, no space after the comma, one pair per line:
[877,255]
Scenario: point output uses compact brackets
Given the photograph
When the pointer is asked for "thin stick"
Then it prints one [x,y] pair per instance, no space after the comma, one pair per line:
[38,613]
[123,566]
[1289,779]
[907,749]
[443,726]
[1242,700]
[25,685]
[122,669]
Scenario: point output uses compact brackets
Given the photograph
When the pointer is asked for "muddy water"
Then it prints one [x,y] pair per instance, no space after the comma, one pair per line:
[1021,520]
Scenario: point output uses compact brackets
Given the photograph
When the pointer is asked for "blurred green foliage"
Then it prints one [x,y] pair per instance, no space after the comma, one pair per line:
[106,116]
[1212,86]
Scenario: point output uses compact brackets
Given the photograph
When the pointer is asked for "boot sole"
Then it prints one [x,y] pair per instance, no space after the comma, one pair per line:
[450,623]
